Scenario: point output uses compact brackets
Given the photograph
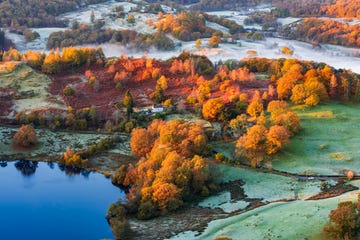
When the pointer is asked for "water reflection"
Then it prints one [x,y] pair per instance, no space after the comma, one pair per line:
[27,168]
[70,170]
[51,165]
[3,164]
[76,203]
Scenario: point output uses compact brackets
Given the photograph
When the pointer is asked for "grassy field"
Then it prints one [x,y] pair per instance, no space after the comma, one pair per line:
[270,187]
[329,142]
[289,220]
[31,87]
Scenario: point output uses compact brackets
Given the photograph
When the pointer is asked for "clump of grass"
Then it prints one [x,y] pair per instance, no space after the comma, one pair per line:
[340,156]
[323,114]
[323,146]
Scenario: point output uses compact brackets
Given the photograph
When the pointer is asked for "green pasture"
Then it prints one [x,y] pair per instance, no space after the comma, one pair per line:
[329,142]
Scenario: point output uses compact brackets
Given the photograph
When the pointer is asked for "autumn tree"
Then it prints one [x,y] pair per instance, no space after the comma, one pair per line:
[276,138]
[213,108]
[287,51]
[333,91]
[34,59]
[239,124]
[252,145]
[277,107]
[158,94]
[111,69]
[141,142]
[256,106]
[121,77]
[214,41]
[162,82]
[72,158]
[167,195]
[71,57]
[131,19]
[170,171]
[299,94]
[290,121]
[25,136]
[128,102]
[198,43]
[52,63]
[286,83]
[344,222]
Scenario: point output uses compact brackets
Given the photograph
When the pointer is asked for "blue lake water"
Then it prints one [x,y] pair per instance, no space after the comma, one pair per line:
[41,201]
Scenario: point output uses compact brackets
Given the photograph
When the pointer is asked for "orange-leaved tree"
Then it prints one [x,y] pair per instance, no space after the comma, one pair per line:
[25,136]
[171,170]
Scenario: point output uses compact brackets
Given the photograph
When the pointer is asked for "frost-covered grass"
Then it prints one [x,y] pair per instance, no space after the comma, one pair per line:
[289,220]
[287,20]
[100,10]
[217,27]
[31,86]
[140,24]
[329,142]
[270,187]
[338,57]
[223,201]
[51,143]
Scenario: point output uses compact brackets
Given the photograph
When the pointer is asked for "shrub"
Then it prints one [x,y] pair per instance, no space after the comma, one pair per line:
[92,80]
[25,136]
[72,158]
[146,210]
[116,216]
[68,91]
[214,41]
[115,210]
[287,51]
[350,175]
[219,157]
[120,228]
[118,86]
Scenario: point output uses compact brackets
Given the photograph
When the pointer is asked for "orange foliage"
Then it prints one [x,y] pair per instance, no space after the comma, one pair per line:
[288,81]
[290,121]
[252,144]
[277,137]
[277,107]
[255,107]
[25,136]
[166,195]
[170,168]
[212,108]
[141,142]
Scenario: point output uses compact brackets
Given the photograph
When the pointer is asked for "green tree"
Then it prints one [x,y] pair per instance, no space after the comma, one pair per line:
[128,103]
[158,94]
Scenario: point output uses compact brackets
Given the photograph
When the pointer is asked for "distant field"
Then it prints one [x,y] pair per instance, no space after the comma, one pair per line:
[329,142]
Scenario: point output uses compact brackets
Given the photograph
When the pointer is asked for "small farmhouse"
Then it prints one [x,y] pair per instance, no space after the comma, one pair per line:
[158,108]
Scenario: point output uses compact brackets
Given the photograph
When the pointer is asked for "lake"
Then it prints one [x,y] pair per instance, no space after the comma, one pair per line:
[48,201]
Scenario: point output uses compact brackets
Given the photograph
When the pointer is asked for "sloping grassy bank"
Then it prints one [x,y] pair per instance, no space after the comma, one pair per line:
[329,142]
